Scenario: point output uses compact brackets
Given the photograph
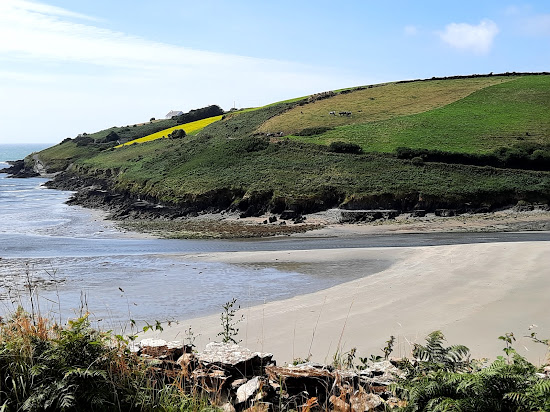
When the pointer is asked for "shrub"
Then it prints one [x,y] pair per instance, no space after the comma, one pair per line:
[177,134]
[47,367]
[313,131]
[443,378]
[199,114]
[83,140]
[112,137]
[417,161]
[345,147]
[253,144]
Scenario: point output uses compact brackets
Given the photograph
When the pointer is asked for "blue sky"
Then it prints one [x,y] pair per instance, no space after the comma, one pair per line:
[73,66]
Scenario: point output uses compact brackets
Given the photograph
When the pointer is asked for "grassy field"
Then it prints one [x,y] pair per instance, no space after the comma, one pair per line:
[190,128]
[381,102]
[229,163]
[492,117]
[60,156]
[307,175]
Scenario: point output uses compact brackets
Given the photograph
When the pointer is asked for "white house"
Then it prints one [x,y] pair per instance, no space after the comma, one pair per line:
[173,113]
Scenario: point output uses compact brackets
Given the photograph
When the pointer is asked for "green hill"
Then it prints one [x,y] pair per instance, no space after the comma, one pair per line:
[462,143]
[495,115]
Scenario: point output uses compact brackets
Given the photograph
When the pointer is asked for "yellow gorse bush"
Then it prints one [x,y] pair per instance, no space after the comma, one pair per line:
[188,127]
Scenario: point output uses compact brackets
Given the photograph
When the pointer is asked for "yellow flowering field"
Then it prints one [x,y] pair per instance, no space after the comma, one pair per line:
[188,127]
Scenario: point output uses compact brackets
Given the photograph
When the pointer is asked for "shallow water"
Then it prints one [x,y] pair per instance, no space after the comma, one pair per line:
[70,259]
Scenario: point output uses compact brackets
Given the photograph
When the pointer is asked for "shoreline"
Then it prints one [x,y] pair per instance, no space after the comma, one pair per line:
[474,293]
[327,224]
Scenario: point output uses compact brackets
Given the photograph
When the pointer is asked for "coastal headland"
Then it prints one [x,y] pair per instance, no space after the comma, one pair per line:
[457,154]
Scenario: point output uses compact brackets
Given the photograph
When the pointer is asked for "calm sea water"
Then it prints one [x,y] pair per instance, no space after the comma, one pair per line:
[19,151]
[70,257]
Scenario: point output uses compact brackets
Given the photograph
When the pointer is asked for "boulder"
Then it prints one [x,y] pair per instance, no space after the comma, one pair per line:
[246,391]
[188,363]
[381,373]
[214,382]
[161,349]
[289,214]
[237,361]
[445,212]
[353,216]
[304,380]
[418,213]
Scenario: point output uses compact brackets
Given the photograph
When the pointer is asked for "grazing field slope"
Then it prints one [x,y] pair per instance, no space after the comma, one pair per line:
[378,102]
[464,143]
[496,115]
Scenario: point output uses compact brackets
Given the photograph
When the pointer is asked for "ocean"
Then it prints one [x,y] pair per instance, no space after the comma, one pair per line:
[19,151]
[73,260]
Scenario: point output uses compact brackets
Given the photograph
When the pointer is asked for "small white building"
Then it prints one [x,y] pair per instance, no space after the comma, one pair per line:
[173,113]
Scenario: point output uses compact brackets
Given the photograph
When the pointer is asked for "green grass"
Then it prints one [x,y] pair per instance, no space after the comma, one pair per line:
[242,124]
[176,172]
[190,129]
[496,116]
[224,160]
[60,156]
[380,102]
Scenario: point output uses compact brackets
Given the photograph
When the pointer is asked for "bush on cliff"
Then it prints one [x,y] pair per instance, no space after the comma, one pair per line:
[177,134]
[345,147]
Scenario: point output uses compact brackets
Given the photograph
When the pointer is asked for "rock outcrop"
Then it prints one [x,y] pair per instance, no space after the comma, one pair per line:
[237,379]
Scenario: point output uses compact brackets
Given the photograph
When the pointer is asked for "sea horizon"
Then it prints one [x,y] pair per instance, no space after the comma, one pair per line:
[18,151]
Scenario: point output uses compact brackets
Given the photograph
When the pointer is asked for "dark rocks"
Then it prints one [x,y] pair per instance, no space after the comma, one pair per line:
[523,206]
[380,374]
[353,216]
[418,213]
[289,214]
[161,349]
[18,169]
[445,212]
[239,362]
[237,379]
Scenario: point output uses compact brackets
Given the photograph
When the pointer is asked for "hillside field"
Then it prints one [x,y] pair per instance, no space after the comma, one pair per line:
[471,143]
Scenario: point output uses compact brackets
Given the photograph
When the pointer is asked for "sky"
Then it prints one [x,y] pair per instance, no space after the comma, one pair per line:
[74,66]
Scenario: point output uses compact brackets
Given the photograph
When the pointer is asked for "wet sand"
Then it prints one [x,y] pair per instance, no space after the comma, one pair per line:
[472,292]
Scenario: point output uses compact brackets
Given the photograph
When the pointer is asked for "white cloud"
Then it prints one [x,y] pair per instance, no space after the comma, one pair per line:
[410,30]
[95,77]
[477,39]
[33,7]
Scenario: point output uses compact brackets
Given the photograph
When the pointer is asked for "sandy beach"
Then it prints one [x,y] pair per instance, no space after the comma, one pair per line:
[474,293]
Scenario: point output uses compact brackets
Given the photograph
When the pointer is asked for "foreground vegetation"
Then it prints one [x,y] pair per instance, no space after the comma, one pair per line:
[46,366]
